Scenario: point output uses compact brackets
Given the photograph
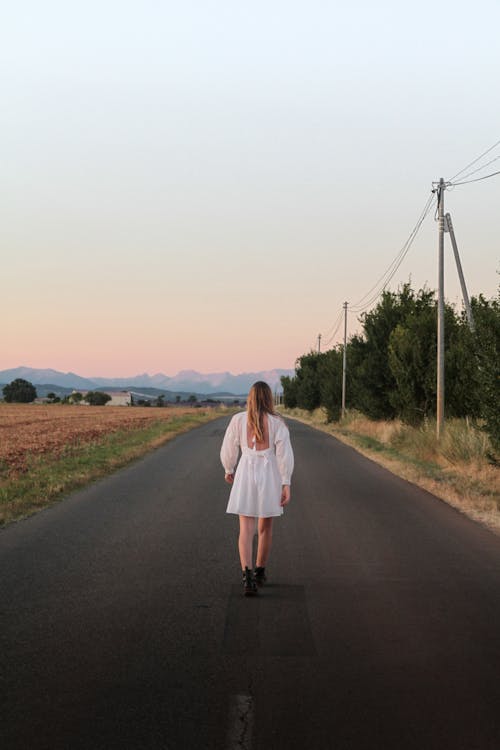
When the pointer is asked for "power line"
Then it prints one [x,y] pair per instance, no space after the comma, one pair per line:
[337,326]
[393,267]
[475,160]
[389,278]
[480,169]
[328,332]
[389,273]
[373,293]
[478,179]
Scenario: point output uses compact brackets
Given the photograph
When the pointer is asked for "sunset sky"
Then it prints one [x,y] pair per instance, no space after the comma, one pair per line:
[201,184]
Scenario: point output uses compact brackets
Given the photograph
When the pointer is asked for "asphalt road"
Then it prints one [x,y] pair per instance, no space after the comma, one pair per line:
[123,624]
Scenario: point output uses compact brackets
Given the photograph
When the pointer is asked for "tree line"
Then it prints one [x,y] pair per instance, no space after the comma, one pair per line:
[23,392]
[391,364]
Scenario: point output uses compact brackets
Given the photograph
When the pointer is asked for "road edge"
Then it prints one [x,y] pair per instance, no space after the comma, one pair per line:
[403,468]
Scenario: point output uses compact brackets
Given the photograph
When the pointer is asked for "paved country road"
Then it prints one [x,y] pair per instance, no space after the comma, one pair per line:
[123,625]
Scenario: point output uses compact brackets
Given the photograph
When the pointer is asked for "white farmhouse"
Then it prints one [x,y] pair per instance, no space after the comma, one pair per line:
[119,398]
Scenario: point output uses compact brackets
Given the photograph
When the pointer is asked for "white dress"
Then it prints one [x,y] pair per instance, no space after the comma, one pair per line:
[256,490]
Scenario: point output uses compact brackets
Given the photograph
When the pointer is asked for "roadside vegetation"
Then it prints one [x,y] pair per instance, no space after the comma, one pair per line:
[45,452]
[391,396]
[391,365]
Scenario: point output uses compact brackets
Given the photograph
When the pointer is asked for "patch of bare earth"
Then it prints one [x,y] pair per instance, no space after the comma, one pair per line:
[29,431]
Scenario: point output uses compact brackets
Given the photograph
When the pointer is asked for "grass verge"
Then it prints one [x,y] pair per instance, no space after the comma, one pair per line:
[49,478]
[461,469]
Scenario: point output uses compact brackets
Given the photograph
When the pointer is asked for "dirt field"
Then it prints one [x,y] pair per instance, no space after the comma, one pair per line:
[28,430]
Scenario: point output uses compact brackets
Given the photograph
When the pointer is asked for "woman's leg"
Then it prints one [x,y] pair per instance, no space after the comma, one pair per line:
[245,541]
[265,541]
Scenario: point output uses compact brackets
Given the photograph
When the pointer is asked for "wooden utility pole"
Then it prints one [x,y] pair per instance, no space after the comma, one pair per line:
[440,317]
[319,343]
[344,362]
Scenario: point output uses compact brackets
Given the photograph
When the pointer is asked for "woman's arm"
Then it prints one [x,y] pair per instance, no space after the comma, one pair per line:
[230,448]
[284,453]
[285,494]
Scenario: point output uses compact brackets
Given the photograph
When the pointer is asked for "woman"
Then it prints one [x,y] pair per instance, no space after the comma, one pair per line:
[261,484]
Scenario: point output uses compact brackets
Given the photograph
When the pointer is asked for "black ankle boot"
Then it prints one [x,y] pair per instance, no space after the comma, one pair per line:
[260,576]
[249,585]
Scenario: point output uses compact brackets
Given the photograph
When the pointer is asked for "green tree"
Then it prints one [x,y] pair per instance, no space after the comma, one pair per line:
[307,381]
[97,398]
[76,397]
[412,354]
[487,349]
[460,367]
[375,380]
[412,363]
[192,399]
[330,382]
[289,392]
[19,391]
[358,396]
[391,366]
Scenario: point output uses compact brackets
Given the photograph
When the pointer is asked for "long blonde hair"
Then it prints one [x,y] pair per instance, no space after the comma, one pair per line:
[259,402]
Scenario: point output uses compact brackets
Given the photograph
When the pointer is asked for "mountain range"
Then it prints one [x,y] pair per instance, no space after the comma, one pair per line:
[221,383]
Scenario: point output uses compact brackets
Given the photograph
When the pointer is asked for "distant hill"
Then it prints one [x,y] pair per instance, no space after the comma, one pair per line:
[186,381]
[47,377]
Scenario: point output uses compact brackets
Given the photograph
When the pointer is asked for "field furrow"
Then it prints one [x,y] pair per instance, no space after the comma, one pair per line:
[29,431]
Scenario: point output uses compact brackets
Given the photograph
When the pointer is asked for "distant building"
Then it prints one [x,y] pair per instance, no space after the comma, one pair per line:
[119,398]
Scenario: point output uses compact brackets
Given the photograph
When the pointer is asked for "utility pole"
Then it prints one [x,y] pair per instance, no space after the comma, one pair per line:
[344,363]
[468,310]
[440,318]
[319,343]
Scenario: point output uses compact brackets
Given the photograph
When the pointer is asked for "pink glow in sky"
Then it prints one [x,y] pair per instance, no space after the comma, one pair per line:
[201,187]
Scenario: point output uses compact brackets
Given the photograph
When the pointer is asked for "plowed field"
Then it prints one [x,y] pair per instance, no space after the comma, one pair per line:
[28,431]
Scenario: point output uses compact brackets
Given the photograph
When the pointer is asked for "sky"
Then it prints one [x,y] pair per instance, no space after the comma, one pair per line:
[201,185]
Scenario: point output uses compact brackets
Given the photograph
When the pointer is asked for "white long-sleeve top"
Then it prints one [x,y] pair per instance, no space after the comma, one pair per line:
[279,439]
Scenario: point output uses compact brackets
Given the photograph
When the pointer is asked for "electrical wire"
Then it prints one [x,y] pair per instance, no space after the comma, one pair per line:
[475,161]
[336,325]
[328,332]
[480,169]
[372,294]
[386,276]
[478,179]
[391,271]
[364,302]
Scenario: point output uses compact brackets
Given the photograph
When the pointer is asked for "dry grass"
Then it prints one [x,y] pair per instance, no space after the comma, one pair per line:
[461,468]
